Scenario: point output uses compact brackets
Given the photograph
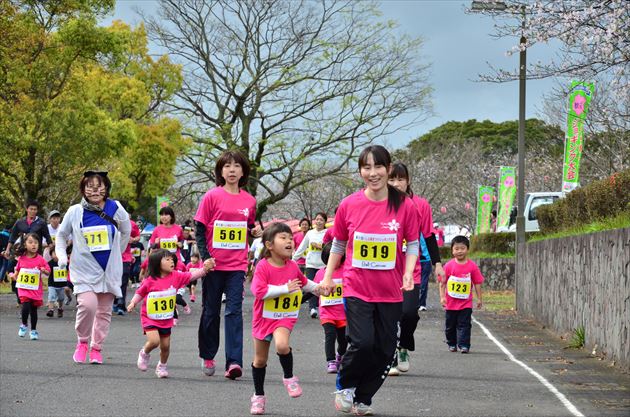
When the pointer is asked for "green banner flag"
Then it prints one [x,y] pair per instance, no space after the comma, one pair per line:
[507,191]
[160,202]
[484,209]
[579,102]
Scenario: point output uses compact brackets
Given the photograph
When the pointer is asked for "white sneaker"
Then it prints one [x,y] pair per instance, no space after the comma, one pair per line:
[403,360]
[393,371]
[313,313]
[422,308]
[360,409]
[344,400]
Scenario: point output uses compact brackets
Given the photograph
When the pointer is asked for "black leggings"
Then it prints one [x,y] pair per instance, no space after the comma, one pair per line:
[332,333]
[29,308]
[179,300]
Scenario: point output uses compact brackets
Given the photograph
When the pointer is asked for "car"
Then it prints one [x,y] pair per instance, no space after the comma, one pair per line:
[532,202]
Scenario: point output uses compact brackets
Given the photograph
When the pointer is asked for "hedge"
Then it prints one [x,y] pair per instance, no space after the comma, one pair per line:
[596,201]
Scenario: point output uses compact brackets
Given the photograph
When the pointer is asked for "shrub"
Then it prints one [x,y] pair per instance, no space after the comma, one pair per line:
[493,242]
[445,253]
[598,200]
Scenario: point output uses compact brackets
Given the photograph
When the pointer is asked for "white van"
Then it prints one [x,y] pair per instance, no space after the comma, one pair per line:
[532,202]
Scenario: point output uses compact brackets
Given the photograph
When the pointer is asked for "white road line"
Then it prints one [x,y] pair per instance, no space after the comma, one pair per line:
[569,406]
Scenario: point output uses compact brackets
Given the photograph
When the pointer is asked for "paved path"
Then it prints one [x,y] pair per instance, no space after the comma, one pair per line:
[39,377]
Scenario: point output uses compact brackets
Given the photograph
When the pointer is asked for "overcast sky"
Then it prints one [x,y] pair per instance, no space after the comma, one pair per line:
[458,45]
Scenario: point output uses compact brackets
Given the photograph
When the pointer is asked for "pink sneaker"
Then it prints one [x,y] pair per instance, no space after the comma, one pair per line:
[80,352]
[234,371]
[143,360]
[95,356]
[293,387]
[192,298]
[161,371]
[208,366]
[187,309]
[332,367]
[258,405]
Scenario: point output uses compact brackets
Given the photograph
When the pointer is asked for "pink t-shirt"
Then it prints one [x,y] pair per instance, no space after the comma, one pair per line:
[38,262]
[329,235]
[459,292]
[373,273]
[135,232]
[426,229]
[172,282]
[145,263]
[297,239]
[331,312]
[265,275]
[173,232]
[233,214]
[192,265]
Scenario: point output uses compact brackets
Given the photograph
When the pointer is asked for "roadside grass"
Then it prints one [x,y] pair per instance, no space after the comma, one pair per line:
[499,300]
[485,255]
[5,287]
[618,222]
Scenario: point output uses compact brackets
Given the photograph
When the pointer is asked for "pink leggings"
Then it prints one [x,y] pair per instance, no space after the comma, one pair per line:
[94,314]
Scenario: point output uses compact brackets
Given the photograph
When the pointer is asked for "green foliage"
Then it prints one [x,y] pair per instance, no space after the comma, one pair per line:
[618,222]
[607,198]
[578,339]
[445,253]
[500,244]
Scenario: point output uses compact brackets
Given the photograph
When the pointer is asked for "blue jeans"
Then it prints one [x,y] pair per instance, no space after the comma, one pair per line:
[425,273]
[213,286]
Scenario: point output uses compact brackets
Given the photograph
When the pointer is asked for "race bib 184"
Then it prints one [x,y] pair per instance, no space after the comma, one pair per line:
[28,279]
[286,306]
[458,287]
[60,274]
[229,235]
[374,251]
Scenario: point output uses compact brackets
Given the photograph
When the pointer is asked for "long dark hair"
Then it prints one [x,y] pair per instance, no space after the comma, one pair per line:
[381,156]
[270,233]
[399,170]
[154,269]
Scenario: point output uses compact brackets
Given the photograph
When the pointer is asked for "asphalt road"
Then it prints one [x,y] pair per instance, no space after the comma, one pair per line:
[38,378]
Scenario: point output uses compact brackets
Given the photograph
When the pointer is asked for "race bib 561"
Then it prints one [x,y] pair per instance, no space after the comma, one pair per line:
[374,251]
[229,235]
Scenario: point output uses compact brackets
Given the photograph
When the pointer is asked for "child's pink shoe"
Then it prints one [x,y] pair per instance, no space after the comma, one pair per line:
[258,405]
[293,386]
[161,371]
[95,356]
[80,352]
[187,309]
[192,298]
[143,360]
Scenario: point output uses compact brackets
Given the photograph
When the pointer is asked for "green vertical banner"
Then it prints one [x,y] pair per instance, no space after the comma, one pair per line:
[484,209]
[579,102]
[160,201]
[507,192]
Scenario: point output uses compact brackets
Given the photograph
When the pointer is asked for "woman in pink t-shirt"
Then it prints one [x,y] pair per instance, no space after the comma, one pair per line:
[305,226]
[370,226]
[225,218]
[167,234]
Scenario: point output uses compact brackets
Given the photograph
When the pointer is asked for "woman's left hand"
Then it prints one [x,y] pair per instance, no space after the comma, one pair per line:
[407,282]
[257,231]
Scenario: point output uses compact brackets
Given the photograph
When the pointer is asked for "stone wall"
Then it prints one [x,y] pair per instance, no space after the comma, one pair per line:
[580,281]
[498,273]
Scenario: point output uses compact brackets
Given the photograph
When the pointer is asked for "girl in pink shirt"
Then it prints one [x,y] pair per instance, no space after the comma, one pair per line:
[370,226]
[156,314]
[168,234]
[305,226]
[30,271]
[456,295]
[332,315]
[195,262]
[276,288]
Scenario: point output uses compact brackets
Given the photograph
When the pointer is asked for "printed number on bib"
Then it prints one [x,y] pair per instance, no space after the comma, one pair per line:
[60,274]
[335,297]
[286,306]
[312,248]
[374,251]
[458,287]
[28,279]
[97,238]
[161,304]
[169,243]
[229,235]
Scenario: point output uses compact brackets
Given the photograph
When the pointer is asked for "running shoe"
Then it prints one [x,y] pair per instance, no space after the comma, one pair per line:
[258,405]
[50,313]
[161,371]
[68,300]
[344,400]
[313,313]
[422,308]
[187,309]
[34,335]
[403,360]
[22,331]
[393,371]
[293,386]
[452,348]
[331,368]
[192,298]
[464,349]
[360,409]
[338,360]
[208,366]
[143,360]
[60,312]
[80,352]
[234,371]
[95,356]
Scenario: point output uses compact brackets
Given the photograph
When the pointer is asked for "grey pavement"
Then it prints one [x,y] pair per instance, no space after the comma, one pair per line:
[38,378]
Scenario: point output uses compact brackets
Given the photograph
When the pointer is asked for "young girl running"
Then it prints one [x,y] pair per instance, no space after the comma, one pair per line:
[195,262]
[305,226]
[31,268]
[157,312]
[276,288]
[332,315]
[168,234]
[370,226]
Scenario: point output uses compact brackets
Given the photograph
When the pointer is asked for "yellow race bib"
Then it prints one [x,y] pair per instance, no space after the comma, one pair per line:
[60,274]
[335,297]
[374,251]
[286,306]
[96,237]
[28,279]
[229,235]
[169,243]
[458,287]
[161,304]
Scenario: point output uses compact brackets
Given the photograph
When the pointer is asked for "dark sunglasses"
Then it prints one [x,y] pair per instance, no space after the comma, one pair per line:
[90,173]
